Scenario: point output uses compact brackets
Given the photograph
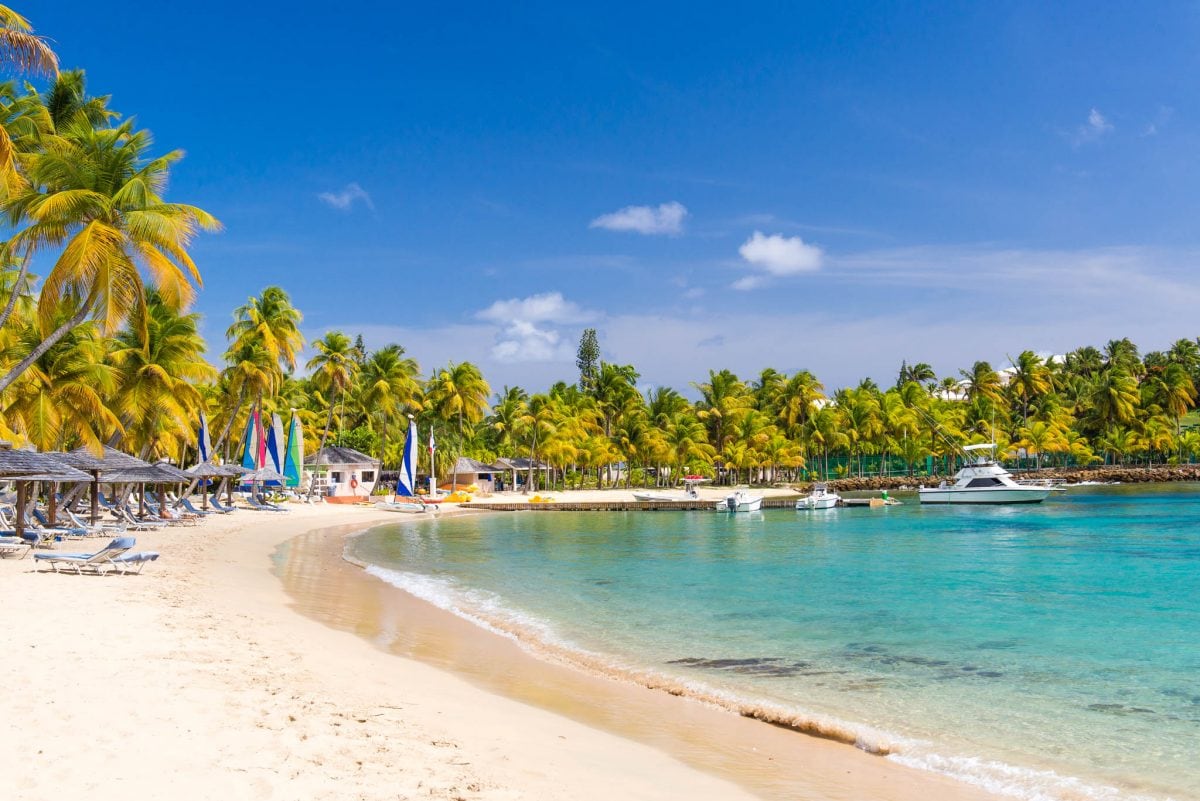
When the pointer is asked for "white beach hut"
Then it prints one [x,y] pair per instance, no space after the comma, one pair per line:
[342,475]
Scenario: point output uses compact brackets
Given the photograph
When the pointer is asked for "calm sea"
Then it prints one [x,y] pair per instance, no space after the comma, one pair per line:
[1045,652]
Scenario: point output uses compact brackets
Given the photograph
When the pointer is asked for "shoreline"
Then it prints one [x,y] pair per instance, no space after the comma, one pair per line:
[768,758]
[204,676]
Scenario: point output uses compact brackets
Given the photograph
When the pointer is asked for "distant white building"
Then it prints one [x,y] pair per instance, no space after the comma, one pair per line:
[342,475]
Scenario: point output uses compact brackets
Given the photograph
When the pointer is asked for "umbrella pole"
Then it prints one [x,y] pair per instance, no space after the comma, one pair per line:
[22,488]
[95,496]
[52,505]
[204,495]
[141,500]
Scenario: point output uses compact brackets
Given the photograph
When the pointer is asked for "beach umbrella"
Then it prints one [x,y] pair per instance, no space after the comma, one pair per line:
[202,472]
[24,467]
[294,457]
[108,463]
[203,445]
[275,445]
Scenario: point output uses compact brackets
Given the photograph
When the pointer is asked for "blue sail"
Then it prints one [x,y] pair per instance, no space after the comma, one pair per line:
[406,486]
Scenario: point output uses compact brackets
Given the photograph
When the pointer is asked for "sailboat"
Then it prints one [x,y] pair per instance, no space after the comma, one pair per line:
[406,485]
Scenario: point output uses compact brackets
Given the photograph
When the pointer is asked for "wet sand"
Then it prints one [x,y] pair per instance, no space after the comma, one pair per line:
[769,761]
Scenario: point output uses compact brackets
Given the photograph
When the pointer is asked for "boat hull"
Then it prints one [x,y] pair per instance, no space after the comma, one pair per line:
[405,508]
[733,504]
[817,503]
[988,495]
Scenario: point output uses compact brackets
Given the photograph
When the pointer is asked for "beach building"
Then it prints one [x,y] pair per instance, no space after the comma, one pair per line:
[517,471]
[468,471]
[342,475]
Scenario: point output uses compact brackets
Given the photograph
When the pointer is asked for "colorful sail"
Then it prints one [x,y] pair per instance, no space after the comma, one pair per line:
[250,446]
[203,444]
[407,483]
[275,445]
[293,459]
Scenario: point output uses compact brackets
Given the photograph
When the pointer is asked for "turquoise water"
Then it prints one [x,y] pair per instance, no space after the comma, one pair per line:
[1048,651]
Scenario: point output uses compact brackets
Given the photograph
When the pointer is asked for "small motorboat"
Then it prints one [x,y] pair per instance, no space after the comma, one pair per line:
[740,501]
[819,498]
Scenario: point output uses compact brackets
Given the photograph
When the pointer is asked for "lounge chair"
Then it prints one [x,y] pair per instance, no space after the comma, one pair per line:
[134,562]
[186,503]
[216,504]
[69,532]
[12,545]
[99,529]
[255,503]
[97,562]
[137,524]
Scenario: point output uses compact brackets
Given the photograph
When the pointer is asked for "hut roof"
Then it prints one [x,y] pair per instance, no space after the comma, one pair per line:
[520,463]
[34,466]
[466,464]
[333,454]
[111,460]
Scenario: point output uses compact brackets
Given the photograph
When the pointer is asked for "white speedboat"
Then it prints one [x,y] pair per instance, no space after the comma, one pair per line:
[740,501]
[985,481]
[691,492]
[819,498]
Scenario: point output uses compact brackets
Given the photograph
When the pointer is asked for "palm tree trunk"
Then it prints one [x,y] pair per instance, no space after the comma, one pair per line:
[16,291]
[42,347]
[324,436]
[237,407]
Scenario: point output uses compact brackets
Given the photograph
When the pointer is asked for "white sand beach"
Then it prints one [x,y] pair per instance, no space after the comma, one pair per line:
[199,680]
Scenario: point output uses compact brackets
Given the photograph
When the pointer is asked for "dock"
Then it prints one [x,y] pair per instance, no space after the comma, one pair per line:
[691,505]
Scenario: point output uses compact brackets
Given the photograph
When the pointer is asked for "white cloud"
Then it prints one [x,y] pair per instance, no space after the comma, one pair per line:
[666,219]
[344,199]
[550,307]
[777,255]
[523,341]
[748,282]
[527,333]
[1097,125]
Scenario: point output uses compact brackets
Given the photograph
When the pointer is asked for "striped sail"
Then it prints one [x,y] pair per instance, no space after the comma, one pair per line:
[407,483]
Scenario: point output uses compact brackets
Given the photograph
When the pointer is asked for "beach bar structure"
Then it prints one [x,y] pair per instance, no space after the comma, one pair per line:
[518,469]
[468,471]
[349,475]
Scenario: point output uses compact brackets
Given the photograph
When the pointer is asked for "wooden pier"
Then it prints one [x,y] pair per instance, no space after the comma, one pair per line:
[692,505]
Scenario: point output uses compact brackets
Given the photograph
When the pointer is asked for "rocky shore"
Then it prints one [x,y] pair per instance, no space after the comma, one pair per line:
[1071,475]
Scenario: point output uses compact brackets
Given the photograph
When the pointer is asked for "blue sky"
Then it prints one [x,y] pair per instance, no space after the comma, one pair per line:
[826,186]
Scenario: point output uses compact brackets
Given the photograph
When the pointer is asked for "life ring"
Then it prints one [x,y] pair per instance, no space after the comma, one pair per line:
[354,483]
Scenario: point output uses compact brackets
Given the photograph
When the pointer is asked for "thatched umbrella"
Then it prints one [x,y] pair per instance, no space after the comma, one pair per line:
[24,467]
[206,470]
[111,461]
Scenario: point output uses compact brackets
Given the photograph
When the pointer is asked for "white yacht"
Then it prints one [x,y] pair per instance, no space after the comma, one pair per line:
[819,498]
[740,501]
[985,481]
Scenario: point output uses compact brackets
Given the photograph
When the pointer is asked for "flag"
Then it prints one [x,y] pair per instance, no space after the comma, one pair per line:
[432,444]
[294,457]
[202,441]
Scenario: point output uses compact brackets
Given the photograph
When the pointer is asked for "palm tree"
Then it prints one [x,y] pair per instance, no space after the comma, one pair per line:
[1040,438]
[458,392]
[94,197]
[1030,379]
[333,373]
[388,383]
[798,399]
[723,396]
[61,400]
[160,368]
[21,49]
[1113,399]
[271,321]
